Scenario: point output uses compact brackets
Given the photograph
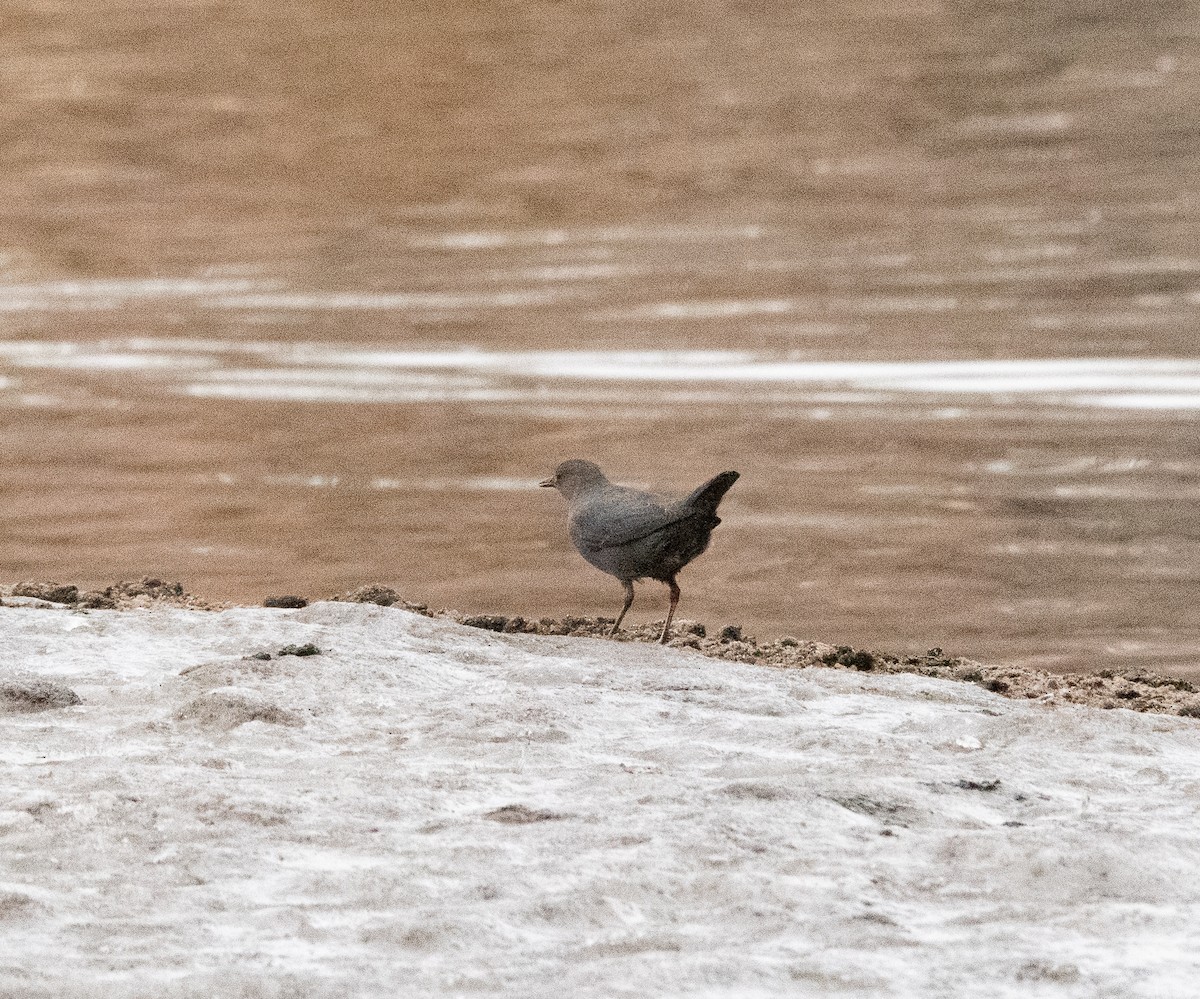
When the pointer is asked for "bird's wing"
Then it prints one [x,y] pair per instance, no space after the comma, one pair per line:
[620,516]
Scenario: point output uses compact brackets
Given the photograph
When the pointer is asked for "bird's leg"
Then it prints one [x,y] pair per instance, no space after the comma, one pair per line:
[628,600]
[662,639]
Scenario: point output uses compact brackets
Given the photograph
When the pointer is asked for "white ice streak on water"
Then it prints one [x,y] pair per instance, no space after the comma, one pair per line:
[568,272]
[728,309]
[1021,124]
[1145,400]
[342,375]
[1100,382]
[108,355]
[110,293]
[391,301]
[970,376]
[474,484]
[899,303]
[1005,274]
[268,392]
[82,360]
[266,370]
[649,235]
[245,294]
[697,827]
[309,481]
[469,484]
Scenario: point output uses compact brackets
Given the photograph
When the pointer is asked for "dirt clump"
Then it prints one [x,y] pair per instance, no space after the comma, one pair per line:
[227,709]
[149,591]
[55,593]
[307,649]
[384,596]
[288,602]
[518,815]
[25,693]
[488,622]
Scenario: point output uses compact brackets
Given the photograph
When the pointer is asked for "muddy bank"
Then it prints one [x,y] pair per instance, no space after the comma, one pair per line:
[1138,690]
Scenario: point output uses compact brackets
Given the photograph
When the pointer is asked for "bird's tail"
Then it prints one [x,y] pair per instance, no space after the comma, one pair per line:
[709,495]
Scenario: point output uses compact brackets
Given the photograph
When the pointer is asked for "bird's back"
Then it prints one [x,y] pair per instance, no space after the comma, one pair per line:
[633,534]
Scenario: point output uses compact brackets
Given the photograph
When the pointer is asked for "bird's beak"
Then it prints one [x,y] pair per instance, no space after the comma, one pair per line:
[547,483]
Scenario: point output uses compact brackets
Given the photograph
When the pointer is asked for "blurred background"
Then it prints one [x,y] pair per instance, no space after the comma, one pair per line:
[300,296]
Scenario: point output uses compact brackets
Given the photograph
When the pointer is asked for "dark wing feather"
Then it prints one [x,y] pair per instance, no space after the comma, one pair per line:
[620,516]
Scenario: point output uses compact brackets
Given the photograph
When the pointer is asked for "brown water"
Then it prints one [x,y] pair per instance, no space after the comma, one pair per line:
[232,235]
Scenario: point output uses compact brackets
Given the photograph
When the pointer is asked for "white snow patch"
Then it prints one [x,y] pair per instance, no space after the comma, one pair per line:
[439,810]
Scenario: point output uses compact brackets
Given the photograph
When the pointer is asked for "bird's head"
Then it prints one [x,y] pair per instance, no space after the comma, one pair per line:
[575,476]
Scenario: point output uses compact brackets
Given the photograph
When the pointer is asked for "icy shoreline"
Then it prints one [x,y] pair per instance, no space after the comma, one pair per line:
[1136,689]
[431,809]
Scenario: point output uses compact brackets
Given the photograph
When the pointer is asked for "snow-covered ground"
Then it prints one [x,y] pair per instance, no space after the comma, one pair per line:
[429,809]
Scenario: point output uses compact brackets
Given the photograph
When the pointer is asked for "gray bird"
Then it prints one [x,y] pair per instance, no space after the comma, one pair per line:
[633,534]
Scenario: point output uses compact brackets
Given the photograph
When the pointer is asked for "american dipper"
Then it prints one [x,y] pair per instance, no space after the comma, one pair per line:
[633,534]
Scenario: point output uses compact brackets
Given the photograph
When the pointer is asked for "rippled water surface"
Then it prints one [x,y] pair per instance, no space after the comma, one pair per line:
[296,297]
